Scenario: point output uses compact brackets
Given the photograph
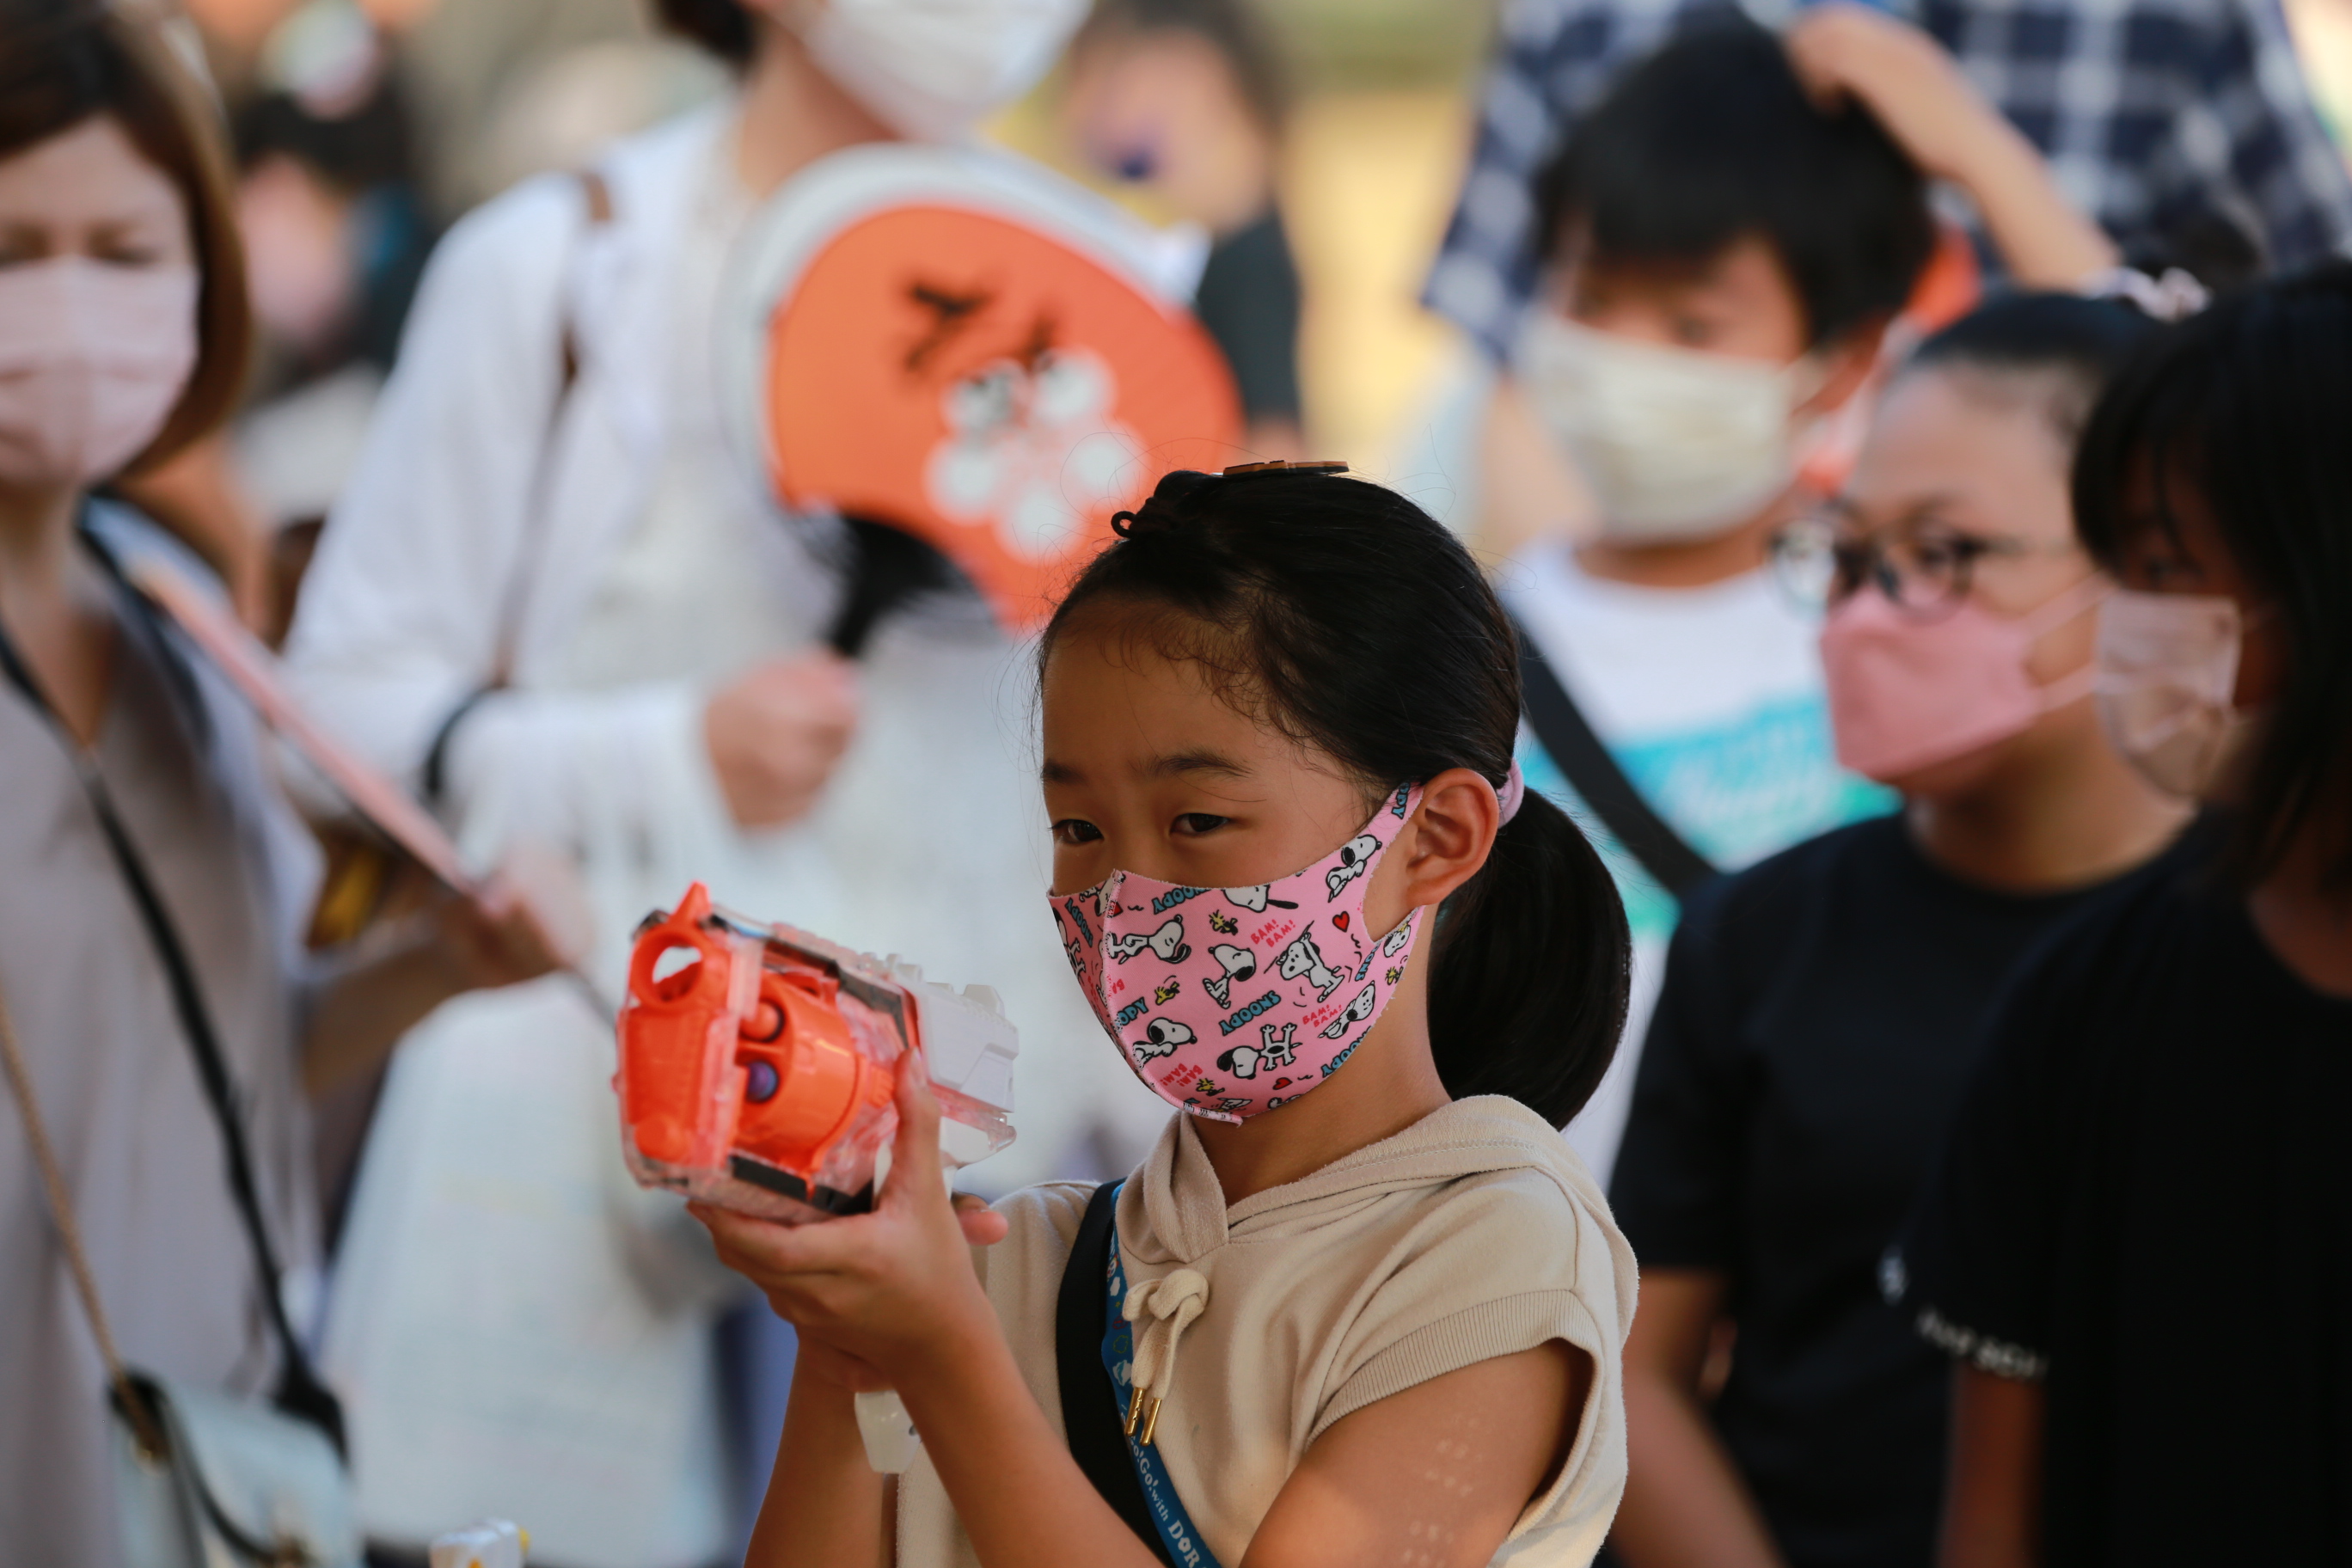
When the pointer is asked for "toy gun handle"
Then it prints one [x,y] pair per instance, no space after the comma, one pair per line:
[891,1441]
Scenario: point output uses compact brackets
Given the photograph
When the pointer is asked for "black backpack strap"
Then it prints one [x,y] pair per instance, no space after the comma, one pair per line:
[1090,1407]
[299,1391]
[1567,735]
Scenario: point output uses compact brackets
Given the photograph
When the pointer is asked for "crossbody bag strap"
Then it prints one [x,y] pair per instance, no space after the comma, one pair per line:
[145,1426]
[1586,763]
[299,1391]
[596,200]
[1089,1404]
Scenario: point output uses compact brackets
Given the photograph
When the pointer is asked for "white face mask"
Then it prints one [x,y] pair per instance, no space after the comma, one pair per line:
[93,357]
[1677,444]
[932,68]
[2166,686]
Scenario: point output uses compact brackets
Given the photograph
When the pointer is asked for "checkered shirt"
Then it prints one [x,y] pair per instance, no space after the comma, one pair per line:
[2149,112]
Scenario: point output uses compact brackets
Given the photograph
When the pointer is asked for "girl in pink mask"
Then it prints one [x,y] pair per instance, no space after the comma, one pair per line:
[154,991]
[2138,1248]
[1361,1293]
[1820,1011]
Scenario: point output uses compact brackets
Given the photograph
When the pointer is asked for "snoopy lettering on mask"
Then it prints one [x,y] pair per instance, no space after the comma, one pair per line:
[1302,957]
[1355,858]
[1161,1037]
[1168,942]
[1358,1010]
[1275,1050]
[1256,900]
[1238,964]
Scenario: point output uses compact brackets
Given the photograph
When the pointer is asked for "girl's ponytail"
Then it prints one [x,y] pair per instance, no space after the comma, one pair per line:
[1347,617]
[1532,969]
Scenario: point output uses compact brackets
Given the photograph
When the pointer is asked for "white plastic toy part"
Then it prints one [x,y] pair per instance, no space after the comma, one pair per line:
[493,1544]
[969,1048]
[891,1440]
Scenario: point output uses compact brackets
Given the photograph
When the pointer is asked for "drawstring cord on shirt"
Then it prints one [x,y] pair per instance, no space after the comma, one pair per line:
[1163,1307]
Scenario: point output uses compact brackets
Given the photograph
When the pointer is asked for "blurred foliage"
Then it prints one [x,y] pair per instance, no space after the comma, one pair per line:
[1344,45]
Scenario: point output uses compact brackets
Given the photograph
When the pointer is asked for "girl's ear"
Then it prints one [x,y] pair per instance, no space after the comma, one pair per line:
[1449,839]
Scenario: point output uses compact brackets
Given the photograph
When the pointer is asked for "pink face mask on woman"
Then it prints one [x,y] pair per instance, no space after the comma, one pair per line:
[92,358]
[1907,694]
[1228,1002]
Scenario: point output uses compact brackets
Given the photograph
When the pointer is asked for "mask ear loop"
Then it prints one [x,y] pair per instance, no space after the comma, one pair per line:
[2082,598]
[1508,798]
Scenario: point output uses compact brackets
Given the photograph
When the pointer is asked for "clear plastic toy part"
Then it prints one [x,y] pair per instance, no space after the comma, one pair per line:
[492,1543]
[757,1063]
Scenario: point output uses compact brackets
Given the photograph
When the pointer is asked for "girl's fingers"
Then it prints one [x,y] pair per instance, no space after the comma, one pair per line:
[982,1226]
[915,1155]
[758,1247]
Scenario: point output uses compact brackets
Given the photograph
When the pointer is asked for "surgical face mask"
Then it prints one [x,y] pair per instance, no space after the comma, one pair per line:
[1907,694]
[2166,686]
[92,358]
[1229,1002]
[931,70]
[1677,444]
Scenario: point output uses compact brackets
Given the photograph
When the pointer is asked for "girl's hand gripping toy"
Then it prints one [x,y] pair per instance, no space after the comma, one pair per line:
[758,1063]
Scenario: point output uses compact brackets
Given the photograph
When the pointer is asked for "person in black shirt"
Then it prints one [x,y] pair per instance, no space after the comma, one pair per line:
[2139,1245]
[1816,1029]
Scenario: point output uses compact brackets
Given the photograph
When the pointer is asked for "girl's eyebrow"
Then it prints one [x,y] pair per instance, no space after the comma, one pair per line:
[1175,763]
[1170,764]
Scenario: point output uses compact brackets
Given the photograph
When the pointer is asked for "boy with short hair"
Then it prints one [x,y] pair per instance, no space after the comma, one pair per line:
[1728,238]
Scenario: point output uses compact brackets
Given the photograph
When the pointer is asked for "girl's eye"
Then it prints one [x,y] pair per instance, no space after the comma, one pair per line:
[1074,831]
[1194,823]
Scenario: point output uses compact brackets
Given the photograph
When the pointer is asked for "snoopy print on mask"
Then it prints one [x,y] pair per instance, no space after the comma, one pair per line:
[1263,1017]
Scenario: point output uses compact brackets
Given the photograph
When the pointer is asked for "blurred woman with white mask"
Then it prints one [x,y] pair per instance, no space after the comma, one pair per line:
[558,600]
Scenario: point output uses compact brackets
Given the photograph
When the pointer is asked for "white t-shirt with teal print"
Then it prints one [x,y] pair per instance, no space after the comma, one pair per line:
[1711,701]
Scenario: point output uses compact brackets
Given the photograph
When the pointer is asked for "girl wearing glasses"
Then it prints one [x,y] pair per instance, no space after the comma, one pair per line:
[1820,1011]
[2139,1245]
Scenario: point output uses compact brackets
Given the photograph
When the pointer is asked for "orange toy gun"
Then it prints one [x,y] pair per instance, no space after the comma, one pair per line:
[757,1063]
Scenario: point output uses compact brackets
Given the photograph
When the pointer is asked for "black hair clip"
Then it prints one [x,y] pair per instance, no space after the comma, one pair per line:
[1318,466]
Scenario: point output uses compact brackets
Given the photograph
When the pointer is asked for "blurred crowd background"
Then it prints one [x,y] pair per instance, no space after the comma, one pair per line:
[363,129]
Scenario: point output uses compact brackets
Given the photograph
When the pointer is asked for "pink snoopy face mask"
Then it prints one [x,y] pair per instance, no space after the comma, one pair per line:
[1228,1002]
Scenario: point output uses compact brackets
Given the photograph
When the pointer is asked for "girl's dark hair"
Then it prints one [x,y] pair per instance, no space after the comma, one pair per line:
[66,62]
[722,27]
[1346,616]
[2072,345]
[1713,139]
[2246,408]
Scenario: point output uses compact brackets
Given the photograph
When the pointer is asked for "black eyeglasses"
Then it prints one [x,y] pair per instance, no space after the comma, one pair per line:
[1925,572]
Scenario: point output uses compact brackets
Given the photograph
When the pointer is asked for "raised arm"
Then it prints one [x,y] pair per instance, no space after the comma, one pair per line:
[1842,49]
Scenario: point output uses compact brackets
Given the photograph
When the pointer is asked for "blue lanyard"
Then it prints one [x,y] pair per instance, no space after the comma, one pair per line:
[1177,1532]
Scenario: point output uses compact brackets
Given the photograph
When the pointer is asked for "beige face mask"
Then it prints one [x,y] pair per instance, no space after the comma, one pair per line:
[1677,444]
[2167,687]
[931,70]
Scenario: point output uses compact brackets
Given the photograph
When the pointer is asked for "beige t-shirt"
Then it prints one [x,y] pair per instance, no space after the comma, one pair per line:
[1472,1234]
